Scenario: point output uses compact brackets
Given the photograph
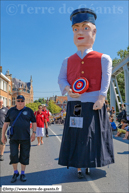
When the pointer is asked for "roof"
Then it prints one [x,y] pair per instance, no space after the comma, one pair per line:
[18,83]
[52,98]
[4,77]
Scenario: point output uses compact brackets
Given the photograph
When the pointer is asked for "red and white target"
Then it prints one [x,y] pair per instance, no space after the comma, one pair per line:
[80,85]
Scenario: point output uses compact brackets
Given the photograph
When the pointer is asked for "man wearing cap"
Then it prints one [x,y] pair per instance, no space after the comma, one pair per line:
[3,111]
[89,145]
[21,135]
[47,114]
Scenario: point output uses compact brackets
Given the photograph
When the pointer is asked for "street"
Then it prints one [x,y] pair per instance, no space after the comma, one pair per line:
[44,169]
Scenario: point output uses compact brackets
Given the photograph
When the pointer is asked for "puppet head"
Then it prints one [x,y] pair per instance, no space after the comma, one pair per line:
[84,29]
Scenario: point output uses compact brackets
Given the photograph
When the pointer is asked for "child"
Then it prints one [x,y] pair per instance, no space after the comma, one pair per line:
[121,128]
[113,125]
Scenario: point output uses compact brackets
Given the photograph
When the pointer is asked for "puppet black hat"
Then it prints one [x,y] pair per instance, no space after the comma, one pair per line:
[83,14]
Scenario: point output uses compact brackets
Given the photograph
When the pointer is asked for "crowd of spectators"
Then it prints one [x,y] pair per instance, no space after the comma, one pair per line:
[121,119]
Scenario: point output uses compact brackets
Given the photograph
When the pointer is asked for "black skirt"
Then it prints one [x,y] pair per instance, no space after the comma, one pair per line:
[90,146]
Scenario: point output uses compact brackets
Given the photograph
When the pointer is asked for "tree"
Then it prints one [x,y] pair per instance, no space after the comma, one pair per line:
[33,106]
[40,100]
[120,77]
[122,54]
[53,108]
[36,101]
[115,61]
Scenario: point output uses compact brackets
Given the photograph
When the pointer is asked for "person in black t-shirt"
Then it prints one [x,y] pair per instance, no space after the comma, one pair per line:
[3,111]
[21,135]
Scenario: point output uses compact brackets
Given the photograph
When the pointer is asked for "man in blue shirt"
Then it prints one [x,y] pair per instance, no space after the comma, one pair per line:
[21,135]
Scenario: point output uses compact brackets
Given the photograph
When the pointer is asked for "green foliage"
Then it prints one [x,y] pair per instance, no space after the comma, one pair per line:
[33,106]
[53,108]
[40,100]
[120,78]
[122,54]
[115,61]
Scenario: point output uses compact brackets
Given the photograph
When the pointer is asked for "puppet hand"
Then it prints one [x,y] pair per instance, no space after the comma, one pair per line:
[99,103]
[71,93]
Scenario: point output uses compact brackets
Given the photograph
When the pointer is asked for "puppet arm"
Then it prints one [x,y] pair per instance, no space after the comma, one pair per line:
[106,63]
[63,83]
[62,78]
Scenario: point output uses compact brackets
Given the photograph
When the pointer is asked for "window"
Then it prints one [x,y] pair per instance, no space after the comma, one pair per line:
[4,101]
[10,102]
[9,88]
[13,101]
[65,102]
[1,86]
[14,89]
[5,86]
[58,102]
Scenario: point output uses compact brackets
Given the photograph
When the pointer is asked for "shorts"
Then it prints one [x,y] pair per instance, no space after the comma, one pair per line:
[1,136]
[121,131]
[23,158]
[40,132]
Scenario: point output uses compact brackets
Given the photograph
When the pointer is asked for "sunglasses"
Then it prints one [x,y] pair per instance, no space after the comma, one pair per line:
[40,108]
[20,101]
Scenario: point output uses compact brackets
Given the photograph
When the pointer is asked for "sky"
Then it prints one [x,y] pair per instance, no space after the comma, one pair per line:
[36,36]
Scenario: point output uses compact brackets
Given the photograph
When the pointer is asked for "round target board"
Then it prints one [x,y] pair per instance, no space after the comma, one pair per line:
[80,85]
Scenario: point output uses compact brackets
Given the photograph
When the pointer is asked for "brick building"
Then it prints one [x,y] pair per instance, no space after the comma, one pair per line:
[22,88]
[61,101]
[6,88]
[10,88]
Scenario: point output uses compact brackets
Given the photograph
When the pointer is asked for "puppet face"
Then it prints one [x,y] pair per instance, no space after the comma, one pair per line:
[84,34]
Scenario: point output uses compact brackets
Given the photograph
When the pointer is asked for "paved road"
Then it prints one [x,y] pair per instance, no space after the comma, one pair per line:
[44,168]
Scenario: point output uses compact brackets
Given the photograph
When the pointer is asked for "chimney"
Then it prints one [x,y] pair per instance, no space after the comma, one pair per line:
[7,72]
[0,68]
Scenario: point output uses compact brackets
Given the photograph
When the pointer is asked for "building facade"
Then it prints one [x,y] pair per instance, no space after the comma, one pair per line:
[6,88]
[10,88]
[61,101]
[22,88]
